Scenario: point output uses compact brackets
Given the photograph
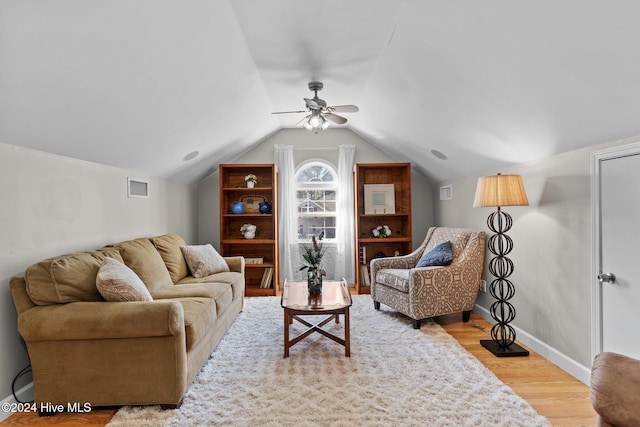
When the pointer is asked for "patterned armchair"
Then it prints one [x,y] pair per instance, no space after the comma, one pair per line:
[425,292]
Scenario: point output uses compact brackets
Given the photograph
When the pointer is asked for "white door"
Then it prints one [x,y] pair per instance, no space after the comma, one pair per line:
[617,260]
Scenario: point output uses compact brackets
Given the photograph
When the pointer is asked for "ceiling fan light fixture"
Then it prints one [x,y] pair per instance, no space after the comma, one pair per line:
[321,115]
[316,122]
[316,119]
[307,125]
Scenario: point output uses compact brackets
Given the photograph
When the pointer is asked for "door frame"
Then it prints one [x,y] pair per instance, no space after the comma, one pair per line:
[597,157]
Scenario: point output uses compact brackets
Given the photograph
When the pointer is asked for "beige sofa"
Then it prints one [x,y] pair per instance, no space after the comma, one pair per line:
[86,350]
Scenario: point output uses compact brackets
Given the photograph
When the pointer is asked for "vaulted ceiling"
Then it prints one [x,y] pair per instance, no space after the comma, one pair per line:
[142,84]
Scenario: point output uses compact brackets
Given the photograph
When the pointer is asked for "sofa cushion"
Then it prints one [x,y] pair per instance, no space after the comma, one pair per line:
[169,246]
[142,257]
[67,278]
[117,282]
[229,277]
[441,255]
[199,316]
[221,293]
[394,278]
[203,260]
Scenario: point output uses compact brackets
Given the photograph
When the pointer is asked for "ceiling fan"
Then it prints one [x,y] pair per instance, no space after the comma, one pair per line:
[321,115]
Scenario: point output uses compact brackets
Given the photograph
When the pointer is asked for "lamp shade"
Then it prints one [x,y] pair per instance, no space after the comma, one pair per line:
[500,190]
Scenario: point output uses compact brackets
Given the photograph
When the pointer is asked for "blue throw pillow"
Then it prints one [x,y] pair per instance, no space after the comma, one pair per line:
[441,255]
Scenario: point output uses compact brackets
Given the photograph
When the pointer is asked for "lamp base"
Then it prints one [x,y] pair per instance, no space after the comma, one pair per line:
[514,350]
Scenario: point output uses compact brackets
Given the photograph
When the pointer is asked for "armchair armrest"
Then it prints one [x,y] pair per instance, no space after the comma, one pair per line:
[446,274]
[438,274]
[403,261]
[101,320]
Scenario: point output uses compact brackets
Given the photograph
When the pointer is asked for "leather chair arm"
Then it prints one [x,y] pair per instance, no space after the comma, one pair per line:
[615,389]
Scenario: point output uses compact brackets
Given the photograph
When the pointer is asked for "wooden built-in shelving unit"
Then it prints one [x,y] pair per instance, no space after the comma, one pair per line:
[265,244]
[368,247]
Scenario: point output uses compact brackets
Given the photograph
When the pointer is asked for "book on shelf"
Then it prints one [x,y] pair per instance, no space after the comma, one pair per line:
[363,254]
[364,275]
[266,278]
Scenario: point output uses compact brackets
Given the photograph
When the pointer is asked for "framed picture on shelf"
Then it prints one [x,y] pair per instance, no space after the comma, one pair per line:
[379,199]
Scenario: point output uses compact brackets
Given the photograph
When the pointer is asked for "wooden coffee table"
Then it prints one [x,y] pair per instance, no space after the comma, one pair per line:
[333,301]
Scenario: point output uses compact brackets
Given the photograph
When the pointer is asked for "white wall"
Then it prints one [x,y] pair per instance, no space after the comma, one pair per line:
[307,145]
[551,254]
[51,205]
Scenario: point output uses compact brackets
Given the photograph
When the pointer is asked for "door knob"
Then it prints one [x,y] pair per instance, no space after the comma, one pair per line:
[606,278]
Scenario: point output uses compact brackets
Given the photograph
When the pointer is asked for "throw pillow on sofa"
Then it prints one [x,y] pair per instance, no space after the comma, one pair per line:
[204,260]
[441,255]
[117,282]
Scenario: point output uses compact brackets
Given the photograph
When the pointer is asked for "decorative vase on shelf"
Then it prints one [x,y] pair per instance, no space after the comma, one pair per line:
[264,207]
[248,231]
[237,208]
[251,180]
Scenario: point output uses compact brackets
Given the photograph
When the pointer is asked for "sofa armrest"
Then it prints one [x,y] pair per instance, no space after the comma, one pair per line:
[235,263]
[101,320]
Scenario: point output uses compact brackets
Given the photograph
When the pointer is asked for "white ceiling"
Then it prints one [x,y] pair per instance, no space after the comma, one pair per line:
[141,84]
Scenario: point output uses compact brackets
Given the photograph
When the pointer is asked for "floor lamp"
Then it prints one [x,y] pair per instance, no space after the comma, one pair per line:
[497,191]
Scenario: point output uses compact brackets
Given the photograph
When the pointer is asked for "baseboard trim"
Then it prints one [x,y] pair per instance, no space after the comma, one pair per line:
[25,394]
[582,373]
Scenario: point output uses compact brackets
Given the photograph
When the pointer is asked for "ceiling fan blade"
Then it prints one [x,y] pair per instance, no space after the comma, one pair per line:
[312,104]
[304,120]
[335,118]
[289,112]
[344,108]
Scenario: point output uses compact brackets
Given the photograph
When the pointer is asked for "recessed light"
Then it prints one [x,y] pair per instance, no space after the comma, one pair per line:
[439,155]
[191,155]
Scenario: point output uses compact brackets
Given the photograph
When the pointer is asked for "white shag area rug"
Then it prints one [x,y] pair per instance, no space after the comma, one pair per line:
[396,376]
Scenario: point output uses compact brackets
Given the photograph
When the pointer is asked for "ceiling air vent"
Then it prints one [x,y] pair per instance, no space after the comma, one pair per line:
[446,192]
[137,188]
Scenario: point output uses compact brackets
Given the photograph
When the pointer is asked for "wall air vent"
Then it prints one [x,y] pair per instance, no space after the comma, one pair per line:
[137,188]
[446,192]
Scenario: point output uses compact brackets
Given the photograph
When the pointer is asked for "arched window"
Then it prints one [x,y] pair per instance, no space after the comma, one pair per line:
[316,186]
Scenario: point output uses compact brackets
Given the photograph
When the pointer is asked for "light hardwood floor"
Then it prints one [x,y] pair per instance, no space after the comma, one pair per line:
[552,392]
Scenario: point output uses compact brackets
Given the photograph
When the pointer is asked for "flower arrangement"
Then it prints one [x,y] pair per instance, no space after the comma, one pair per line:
[312,255]
[381,231]
[251,178]
[248,228]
